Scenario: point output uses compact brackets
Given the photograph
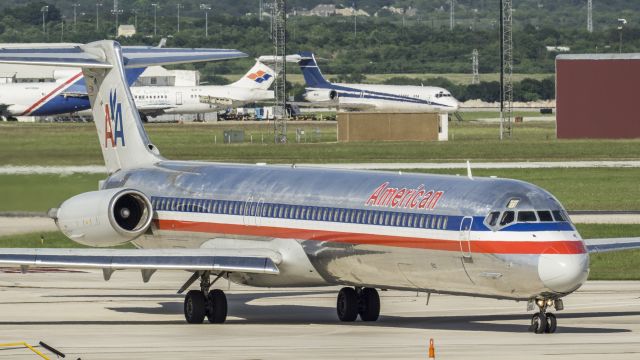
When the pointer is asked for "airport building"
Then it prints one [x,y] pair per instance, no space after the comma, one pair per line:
[596,96]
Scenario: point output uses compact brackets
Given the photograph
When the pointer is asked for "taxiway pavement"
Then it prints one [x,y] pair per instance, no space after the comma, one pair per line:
[87,318]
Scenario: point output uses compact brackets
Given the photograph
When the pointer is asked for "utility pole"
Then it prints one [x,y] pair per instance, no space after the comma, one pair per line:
[75,24]
[116,12]
[474,67]
[590,16]
[98,5]
[179,6]
[62,30]
[260,10]
[355,21]
[452,21]
[155,15]
[206,9]
[44,10]
[135,18]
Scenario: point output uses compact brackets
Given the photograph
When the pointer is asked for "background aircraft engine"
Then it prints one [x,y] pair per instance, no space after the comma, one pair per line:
[321,95]
[105,217]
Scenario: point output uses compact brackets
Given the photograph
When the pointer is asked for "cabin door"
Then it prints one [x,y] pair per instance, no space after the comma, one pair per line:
[178,98]
[465,241]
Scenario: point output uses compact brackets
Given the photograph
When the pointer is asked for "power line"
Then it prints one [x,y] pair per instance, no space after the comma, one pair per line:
[506,68]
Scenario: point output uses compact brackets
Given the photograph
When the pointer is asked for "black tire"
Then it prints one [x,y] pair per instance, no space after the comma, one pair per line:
[369,306]
[538,323]
[552,324]
[217,309]
[194,307]
[347,304]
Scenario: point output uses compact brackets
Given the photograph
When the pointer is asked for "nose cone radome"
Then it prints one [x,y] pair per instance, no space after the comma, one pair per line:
[563,273]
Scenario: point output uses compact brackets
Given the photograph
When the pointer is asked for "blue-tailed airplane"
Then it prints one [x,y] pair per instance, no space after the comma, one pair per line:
[401,98]
[300,227]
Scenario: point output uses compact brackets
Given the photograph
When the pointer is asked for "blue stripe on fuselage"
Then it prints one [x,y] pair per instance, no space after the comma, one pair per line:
[61,104]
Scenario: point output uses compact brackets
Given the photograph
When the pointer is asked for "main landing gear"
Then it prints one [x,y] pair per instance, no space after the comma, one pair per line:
[543,321]
[358,301]
[202,303]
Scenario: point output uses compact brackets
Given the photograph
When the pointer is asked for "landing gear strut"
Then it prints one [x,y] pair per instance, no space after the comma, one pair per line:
[202,303]
[358,301]
[543,321]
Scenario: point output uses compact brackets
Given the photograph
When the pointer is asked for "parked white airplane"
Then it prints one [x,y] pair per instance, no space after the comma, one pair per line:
[372,97]
[287,226]
[252,87]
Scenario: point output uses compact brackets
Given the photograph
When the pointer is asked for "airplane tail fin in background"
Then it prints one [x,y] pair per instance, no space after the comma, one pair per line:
[310,70]
[123,140]
[260,76]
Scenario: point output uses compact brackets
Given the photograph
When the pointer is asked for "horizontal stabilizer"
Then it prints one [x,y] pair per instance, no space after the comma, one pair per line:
[612,244]
[143,259]
[85,56]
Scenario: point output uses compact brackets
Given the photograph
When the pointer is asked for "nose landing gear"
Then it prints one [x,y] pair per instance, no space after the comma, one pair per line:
[543,321]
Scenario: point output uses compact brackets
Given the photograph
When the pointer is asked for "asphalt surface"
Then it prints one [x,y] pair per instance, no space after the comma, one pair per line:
[85,317]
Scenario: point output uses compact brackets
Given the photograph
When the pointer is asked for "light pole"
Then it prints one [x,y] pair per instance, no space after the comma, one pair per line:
[179,6]
[44,10]
[621,24]
[206,9]
[116,12]
[135,18]
[155,13]
[62,31]
[98,5]
[75,24]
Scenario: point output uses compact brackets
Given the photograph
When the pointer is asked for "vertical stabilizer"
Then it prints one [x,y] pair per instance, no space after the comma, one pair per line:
[260,77]
[122,138]
[310,70]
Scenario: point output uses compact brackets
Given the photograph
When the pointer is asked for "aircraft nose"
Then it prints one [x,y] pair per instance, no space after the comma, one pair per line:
[563,273]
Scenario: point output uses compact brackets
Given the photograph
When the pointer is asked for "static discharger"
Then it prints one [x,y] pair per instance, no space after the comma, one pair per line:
[432,350]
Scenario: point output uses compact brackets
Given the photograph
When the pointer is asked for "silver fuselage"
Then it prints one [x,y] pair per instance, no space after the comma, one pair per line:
[365,228]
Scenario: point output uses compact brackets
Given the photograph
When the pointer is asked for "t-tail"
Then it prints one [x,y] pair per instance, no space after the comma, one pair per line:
[123,140]
[259,77]
[311,72]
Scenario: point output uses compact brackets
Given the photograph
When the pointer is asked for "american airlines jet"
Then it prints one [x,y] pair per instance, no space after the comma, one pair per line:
[289,226]
[372,97]
[252,87]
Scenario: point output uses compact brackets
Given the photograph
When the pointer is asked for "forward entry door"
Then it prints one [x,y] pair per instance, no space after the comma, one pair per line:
[465,241]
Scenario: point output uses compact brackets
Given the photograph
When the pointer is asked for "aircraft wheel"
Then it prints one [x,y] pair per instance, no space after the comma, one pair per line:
[538,323]
[217,307]
[194,307]
[347,304]
[369,308]
[552,324]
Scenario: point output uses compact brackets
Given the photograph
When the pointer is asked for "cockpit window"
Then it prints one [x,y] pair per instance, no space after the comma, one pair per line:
[559,215]
[492,218]
[527,216]
[545,216]
[507,218]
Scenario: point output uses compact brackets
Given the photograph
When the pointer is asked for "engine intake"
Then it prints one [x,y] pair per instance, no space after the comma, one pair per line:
[105,217]
[321,95]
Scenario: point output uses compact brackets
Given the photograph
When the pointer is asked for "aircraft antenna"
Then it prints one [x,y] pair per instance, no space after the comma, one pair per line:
[506,69]
[590,16]
[279,35]
[474,67]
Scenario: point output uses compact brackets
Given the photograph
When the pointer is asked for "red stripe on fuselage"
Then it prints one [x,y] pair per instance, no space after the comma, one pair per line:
[72,79]
[477,246]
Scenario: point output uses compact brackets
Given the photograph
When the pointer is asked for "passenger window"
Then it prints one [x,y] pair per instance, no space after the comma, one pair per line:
[444,224]
[559,215]
[352,217]
[393,219]
[359,216]
[433,222]
[545,216]
[492,218]
[507,218]
[439,222]
[527,216]
[422,219]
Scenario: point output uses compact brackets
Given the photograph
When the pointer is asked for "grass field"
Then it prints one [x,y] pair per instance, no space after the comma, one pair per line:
[77,144]
[456,78]
[624,265]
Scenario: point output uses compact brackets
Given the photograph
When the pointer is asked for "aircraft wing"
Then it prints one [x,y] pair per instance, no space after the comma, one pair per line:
[148,260]
[133,56]
[154,110]
[612,244]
